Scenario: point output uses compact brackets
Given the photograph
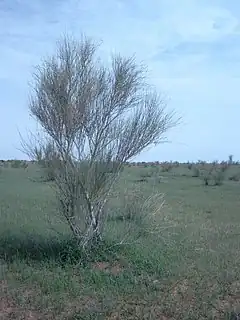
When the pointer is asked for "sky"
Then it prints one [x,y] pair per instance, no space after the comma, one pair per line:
[191,48]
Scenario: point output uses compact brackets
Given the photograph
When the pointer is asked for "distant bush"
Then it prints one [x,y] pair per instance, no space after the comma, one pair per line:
[152,171]
[202,163]
[215,163]
[167,167]
[141,180]
[235,177]
[24,164]
[189,166]
[176,164]
[16,164]
[218,178]
[48,160]
[206,178]
[146,174]
[214,174]
[224,167]
[196,172]
[5,165]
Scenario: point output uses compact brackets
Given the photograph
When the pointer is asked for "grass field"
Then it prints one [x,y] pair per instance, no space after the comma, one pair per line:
[190,269]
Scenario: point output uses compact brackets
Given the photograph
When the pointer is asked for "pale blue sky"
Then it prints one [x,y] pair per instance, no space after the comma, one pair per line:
[192,49]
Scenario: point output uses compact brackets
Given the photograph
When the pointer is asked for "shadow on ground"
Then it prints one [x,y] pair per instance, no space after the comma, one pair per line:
[62,250]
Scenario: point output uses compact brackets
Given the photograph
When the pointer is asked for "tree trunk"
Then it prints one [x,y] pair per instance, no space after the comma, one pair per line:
[92,237]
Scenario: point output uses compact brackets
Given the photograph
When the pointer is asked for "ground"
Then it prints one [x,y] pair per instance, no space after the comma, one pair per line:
[187,269]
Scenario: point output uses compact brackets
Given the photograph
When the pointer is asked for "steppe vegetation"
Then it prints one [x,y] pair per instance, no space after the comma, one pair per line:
[182,265]
[85,232]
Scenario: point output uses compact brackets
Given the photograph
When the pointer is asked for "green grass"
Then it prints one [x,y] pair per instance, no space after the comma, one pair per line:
[188,270]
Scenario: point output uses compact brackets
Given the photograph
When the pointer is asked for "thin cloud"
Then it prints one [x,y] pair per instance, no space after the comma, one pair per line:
[191,47]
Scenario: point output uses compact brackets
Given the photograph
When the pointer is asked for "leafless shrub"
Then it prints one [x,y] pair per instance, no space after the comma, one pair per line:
[176,164]
[167,167]
[6,164]
[215,175]
[146,174]
[196,172]
[96,119]
[16,164]
[206,175]
[235,177]
[206,179]
[215,163]
[202,162]
[139,214]
[24,164]
[48,159]
[189,166]
[224,167]
[218,177]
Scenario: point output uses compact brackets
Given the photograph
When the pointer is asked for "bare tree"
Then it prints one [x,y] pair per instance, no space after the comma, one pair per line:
[96,118]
